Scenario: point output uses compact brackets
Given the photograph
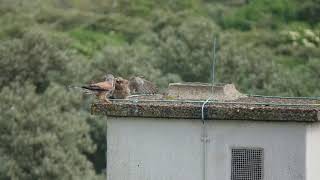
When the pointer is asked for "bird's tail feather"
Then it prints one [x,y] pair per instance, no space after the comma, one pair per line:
[80,88]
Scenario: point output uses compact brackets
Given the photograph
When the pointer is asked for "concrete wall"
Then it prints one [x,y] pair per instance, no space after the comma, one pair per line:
[283,143]
[160,149]
[313,152]
[153,150]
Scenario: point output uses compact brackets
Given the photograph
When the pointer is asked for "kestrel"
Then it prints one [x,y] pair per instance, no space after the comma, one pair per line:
[102,90]
[139,85]
[133,86]
[121,90]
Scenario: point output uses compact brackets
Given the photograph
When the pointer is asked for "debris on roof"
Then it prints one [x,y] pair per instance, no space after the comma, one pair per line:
[200,91]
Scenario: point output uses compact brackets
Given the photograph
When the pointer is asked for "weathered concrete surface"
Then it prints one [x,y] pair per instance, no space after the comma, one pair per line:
[212,111]
[223,92]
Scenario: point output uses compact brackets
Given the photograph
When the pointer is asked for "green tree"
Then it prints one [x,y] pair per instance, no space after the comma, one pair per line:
[33,57]
[250,64]
[44,131]
[129,61]
[186,50]
[310,11]
[43,137]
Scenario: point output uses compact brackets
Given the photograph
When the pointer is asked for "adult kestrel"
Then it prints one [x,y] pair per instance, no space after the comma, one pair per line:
[102,90]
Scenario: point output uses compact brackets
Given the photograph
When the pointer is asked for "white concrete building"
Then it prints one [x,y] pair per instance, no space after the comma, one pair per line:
[248,138]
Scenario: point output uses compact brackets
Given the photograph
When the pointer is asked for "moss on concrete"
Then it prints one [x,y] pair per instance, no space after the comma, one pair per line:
[303,112]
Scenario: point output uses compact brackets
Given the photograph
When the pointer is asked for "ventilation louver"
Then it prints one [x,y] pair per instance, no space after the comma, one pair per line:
[247,164]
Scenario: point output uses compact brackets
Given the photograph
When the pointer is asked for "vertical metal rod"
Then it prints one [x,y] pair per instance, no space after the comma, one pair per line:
[214,62]
[214,59]
[106,153]
[204,131]
[205,140]
[204,135]
[204,149]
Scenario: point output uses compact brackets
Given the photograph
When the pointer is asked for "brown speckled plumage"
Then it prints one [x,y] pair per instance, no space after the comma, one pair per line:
[133,86]
[121,90]
[139,85]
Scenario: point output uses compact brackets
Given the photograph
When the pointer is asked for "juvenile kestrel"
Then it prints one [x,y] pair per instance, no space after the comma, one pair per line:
[139,85]
[121,90]
[133,86]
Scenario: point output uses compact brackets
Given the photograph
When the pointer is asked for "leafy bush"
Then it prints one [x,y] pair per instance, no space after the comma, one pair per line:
[130,61]
[64,20]
[14,25]
[34,57]
[130,28]
[248,64]
[310,11]
[307,38]
[262,13]
[18,6]
[267,65]
[187,49]
[88,42]
[43,137]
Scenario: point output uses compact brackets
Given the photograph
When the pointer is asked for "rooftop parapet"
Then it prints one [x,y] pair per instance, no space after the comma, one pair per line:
[202,91]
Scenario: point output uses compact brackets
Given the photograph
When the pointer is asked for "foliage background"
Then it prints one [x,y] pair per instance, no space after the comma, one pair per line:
[265,47]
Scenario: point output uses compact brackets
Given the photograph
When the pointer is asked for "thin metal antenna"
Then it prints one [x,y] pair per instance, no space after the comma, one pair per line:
[204,135]
[214,62]
[214,59]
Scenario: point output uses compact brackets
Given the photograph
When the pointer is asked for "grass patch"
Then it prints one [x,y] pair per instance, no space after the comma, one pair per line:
[88,42]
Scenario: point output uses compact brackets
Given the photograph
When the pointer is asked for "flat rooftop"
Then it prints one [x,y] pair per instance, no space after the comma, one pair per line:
[244,107]
[249,108]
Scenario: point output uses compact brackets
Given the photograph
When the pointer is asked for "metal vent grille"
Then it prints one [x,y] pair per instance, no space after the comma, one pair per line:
[247,164]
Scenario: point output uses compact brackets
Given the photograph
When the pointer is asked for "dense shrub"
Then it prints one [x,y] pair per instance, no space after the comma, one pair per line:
[132,61]
[187,49]
[257,68]
[89,42]
[262,13]
[64,19]
[130,28]
[43,137]
[32,58]
[310,11]
[248,64]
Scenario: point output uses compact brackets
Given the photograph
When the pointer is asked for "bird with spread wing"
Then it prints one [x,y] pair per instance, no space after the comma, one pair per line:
[139,85]
[134,86]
